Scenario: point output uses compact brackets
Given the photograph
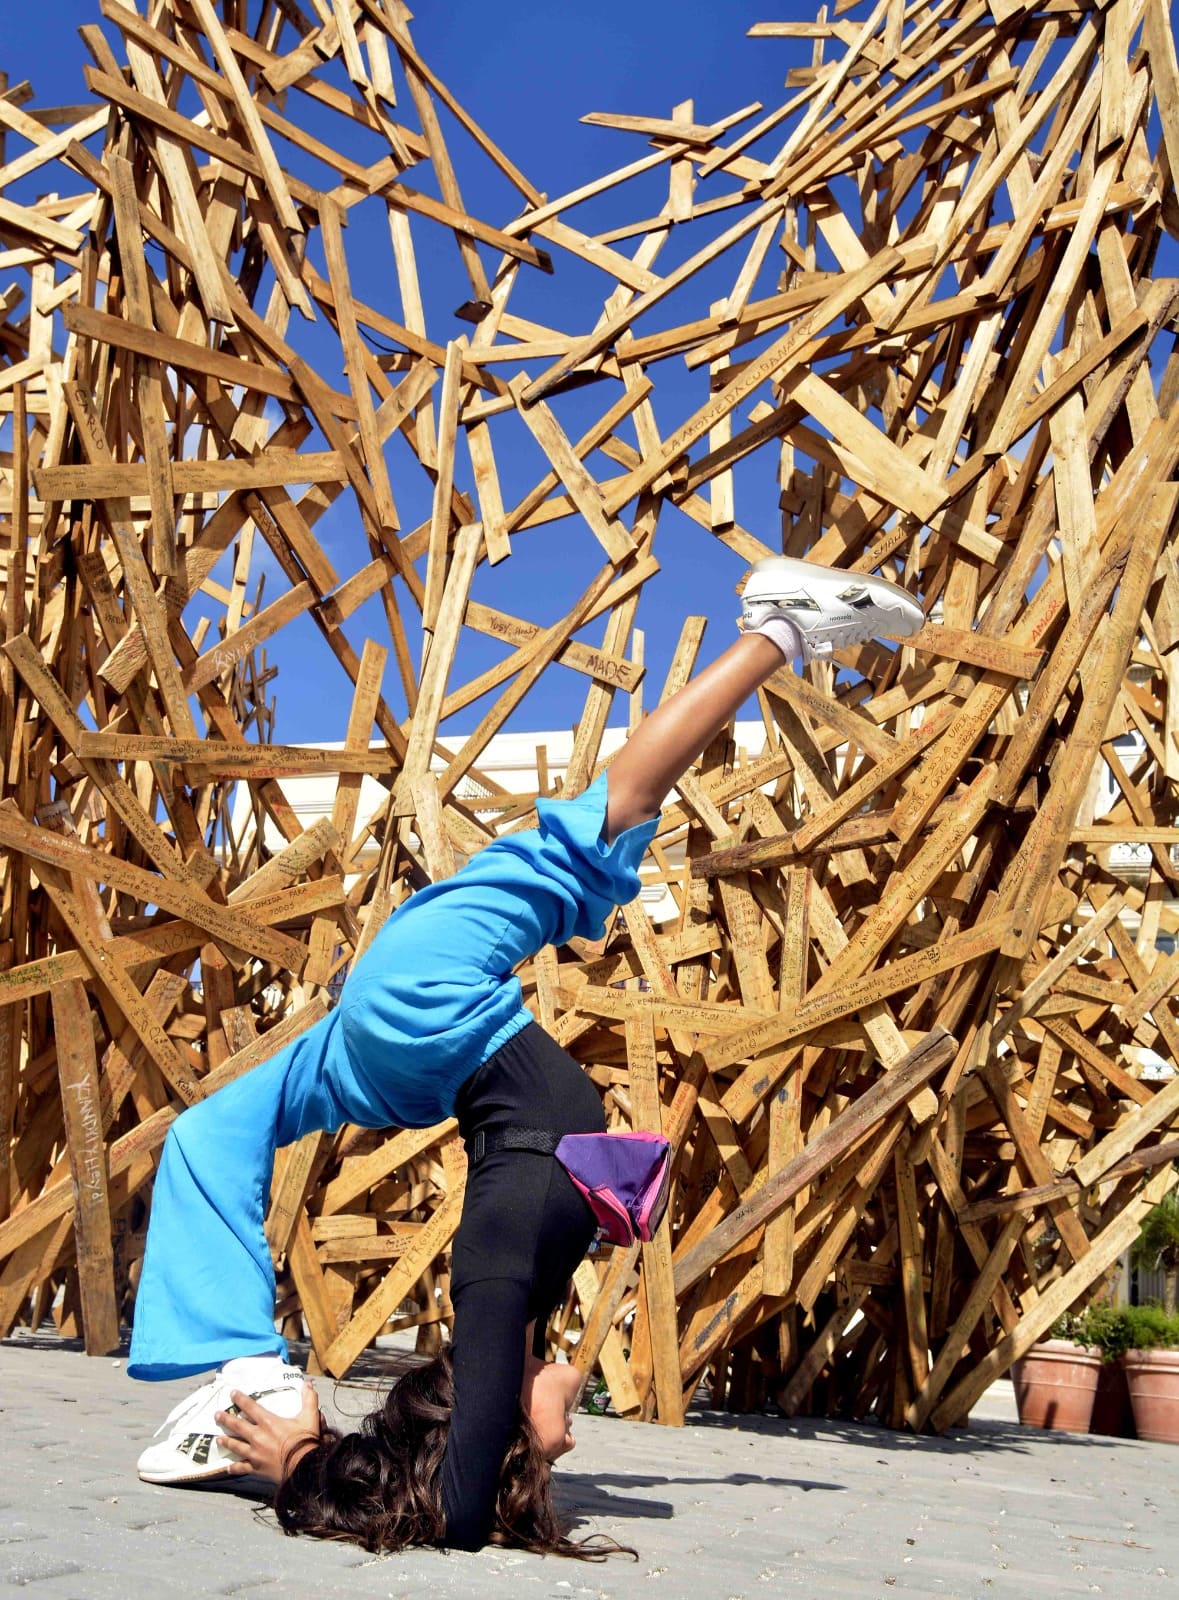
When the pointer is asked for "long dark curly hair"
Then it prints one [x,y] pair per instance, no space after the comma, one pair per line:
[381,1487]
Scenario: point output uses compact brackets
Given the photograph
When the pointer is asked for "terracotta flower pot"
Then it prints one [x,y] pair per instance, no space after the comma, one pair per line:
[1153,1377]
[1055,1384]
[1112,1411]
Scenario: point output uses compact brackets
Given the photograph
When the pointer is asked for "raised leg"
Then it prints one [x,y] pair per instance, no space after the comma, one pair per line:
[665,744]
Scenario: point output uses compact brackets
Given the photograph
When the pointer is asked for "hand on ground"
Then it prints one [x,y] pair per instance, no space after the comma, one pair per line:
[264,1443]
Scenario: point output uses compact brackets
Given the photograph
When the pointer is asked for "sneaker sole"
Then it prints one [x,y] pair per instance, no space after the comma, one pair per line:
[197,1475]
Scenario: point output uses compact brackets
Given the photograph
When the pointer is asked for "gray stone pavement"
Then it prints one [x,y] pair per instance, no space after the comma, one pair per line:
[730,1508]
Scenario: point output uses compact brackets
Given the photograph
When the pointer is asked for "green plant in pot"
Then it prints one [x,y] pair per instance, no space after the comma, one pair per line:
[1152,1371]
[1150,1328]
[1108,1330]
[1157,1246]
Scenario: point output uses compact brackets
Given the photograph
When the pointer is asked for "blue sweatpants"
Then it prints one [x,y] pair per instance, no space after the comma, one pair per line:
[431,1000]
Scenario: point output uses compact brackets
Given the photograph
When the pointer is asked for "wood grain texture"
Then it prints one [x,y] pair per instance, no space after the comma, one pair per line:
[898,987]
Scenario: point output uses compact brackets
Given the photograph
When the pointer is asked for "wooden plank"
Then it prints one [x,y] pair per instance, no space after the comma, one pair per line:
[155,445]
[1048,837]
[183,354]
[912,1257]
[330,219]
[770,852]
[137,578]
[228,759]
[365,1172]
[139,1015]
[77,1068]
[1024,1200]
[599,1341]
[1032,1156]
[123,480]
[658,1285]
[398,194]
[182,900]
[289,1192]
[23,654]
[823,1007]
[610,670]
[669,1012]
[934,1381]
[226,654]
[771,364]
[487,487]
[243,99]
[313,1295]
[616,671]
[546,647]
[440,516]
[567,465]
[785,1107]
[446,628]
[1159,38]
[384,1300]
[846,1131]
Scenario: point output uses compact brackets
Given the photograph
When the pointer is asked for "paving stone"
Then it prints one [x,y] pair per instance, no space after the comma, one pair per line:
[731,1508]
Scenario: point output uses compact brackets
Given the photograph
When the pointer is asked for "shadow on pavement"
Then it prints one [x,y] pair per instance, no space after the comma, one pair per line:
[653,1480]
[982,1436]
[580,1497]
[48,1339]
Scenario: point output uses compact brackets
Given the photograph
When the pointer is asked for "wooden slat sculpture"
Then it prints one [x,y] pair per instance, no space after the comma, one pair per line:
[895,1031]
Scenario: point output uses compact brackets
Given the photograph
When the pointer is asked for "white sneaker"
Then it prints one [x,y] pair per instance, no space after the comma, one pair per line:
[829,608]
[190,1450]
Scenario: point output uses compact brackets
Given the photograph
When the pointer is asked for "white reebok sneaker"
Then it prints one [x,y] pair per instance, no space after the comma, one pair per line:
[190,1451]
[829,608]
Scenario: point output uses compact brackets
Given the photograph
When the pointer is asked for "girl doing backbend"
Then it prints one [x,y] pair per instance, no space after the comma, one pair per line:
[430,1025]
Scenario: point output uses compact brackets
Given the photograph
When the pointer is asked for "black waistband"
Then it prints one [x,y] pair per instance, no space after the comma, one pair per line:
[537,1140]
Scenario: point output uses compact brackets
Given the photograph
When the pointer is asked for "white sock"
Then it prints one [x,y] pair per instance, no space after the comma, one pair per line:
[784,634]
